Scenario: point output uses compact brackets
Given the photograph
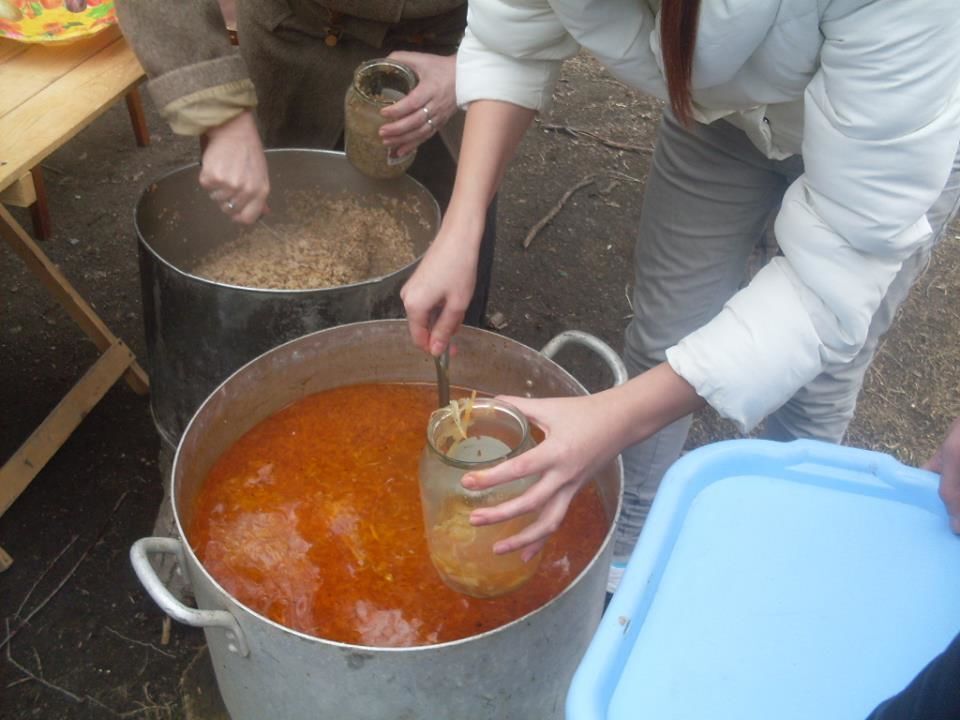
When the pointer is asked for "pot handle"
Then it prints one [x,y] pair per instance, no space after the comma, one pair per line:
[140,558]
[606,353]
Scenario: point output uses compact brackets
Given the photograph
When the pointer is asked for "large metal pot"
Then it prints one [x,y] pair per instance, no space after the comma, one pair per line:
[199,331]
[519,671]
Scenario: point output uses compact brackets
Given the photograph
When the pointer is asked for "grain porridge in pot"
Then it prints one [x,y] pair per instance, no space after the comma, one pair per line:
[324,240]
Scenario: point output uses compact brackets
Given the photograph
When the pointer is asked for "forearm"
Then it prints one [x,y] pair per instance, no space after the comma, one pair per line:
[197,80]
[438,294]
[492,133]
[648,403]
[169,36]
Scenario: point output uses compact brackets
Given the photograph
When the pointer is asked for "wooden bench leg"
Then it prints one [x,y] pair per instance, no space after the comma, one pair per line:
[115,361]
[137,117]
[29,192]
[30,458]
[40,210]
[58,286]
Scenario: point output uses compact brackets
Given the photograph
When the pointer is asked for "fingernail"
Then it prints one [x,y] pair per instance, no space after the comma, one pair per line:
[468,482]
[499,549]
[436,348]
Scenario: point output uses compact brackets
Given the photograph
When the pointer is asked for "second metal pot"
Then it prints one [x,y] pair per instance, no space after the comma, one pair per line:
[199,331]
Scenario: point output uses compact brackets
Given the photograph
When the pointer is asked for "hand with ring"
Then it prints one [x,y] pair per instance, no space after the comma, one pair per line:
[418,116]
[234,169]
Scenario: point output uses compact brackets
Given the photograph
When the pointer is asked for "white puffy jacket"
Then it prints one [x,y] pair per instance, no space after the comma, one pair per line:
[867,90]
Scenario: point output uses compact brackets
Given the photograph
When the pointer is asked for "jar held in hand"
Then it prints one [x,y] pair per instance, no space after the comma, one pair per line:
[477,435]
[376,84]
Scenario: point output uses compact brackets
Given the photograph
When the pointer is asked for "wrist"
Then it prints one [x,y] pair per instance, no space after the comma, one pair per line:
[240,124]
[464,222]
[651,401]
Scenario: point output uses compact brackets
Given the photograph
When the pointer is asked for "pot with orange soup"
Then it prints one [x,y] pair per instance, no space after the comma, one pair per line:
[296,499]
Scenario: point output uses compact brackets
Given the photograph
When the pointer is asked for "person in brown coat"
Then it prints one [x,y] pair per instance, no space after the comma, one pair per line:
[285,88]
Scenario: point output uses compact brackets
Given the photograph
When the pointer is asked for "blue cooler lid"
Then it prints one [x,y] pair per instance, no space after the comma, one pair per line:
[775,581]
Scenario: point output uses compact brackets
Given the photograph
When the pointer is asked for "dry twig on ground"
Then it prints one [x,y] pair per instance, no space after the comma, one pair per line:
[10,634]
[555,210]
[45,572]
[151,710]
[558,206]
[139,642]
[608,142]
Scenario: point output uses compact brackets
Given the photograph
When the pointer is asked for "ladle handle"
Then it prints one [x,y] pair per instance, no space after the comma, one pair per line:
[443,377]
[140,554]
[606,353]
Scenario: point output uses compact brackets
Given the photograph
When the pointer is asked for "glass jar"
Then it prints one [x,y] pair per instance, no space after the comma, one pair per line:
[462,553]
[376,84]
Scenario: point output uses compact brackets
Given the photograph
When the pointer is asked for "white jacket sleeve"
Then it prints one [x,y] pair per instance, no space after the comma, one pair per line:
[881,130]
[512,52]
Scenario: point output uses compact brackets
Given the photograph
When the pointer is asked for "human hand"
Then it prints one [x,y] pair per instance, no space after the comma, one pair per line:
[579,440]
[416,117]
[946,461]
[437,294]
[582,434]
[234,170]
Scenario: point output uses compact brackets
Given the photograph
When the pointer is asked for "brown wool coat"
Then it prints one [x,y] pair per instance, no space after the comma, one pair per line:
[295,62]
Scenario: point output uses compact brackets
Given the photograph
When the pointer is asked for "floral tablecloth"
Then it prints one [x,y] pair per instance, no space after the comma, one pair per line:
[54,21]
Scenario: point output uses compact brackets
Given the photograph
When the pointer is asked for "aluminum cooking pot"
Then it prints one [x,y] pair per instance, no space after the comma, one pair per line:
[519,671]
[199,331]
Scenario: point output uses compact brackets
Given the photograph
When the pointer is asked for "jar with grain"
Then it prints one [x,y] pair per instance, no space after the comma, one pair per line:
[473,435]
[376,84]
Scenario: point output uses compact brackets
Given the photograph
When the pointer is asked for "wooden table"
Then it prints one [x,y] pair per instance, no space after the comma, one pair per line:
[49,94]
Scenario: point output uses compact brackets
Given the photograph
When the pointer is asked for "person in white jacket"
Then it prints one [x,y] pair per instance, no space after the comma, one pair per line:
[840,116]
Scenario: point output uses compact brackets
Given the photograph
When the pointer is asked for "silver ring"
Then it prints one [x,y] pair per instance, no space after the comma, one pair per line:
[426,111]
[430,123]
[230,205]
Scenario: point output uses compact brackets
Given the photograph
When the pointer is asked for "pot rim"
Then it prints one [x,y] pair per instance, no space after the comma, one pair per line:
[433,209]
[193,559]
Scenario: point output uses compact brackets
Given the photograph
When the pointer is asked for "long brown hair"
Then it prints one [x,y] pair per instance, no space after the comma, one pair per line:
[678,38]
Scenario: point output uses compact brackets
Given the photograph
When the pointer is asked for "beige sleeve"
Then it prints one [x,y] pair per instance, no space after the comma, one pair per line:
[197,79]
[194,114]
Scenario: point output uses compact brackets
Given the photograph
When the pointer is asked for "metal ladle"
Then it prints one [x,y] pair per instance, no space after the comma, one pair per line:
[272,230]
[442,362]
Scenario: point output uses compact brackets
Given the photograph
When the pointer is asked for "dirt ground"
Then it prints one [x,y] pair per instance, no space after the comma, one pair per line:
[80,639]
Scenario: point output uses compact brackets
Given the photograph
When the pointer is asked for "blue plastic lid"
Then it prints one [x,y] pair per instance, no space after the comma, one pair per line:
[776,581]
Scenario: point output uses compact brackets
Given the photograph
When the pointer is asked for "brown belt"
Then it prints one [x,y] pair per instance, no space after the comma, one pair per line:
[445,29]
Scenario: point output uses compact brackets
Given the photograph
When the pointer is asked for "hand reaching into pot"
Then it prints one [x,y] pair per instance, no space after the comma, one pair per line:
[234,170]
[582,434]
[438,293]
[428,107]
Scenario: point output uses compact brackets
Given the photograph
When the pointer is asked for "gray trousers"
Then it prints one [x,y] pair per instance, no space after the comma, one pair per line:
[709,198]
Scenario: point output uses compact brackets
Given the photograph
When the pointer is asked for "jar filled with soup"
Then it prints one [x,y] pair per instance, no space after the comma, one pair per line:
[376,84]
[469,435]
